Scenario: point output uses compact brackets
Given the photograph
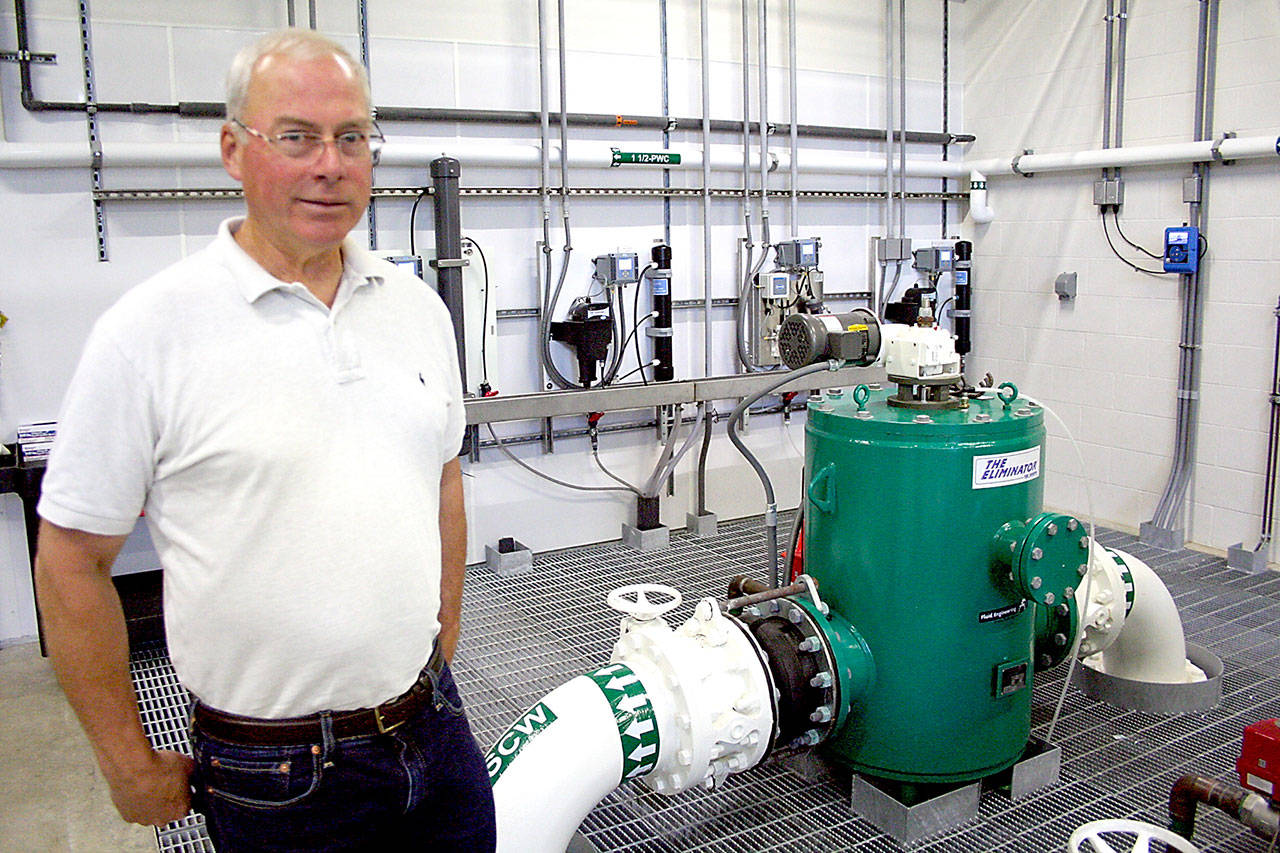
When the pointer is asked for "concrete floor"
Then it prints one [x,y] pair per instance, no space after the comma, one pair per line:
[52,796]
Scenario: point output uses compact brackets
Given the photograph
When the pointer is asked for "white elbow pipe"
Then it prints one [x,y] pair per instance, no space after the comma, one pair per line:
[979,209]
[1132,627]
[571,743]
[1152,646]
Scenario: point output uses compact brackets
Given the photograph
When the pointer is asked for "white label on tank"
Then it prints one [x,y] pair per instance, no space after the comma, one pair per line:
[1005,469]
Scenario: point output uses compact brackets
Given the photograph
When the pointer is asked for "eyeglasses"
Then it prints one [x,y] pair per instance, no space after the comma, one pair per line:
[305,145]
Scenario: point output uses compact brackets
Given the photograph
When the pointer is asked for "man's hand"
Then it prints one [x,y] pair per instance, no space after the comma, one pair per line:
[157,793]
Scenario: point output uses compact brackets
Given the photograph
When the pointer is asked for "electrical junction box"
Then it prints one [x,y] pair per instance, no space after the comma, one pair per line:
[617,268]
[774,285]
[776,296]
[1181,249]
[1259,762]
[934,259]
[798,254]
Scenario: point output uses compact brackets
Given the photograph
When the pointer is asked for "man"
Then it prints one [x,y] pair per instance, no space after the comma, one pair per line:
[287,411]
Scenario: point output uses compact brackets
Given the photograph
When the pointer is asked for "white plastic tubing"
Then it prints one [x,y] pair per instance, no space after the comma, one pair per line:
[419,152]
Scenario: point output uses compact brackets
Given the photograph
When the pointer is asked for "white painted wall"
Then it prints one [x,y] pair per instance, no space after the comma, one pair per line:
[1109,361]
[480,54]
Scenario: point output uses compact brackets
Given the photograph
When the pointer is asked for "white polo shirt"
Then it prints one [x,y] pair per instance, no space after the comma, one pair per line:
[288,457]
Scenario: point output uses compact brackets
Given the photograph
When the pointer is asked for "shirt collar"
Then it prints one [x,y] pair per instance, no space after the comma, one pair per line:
[358,265]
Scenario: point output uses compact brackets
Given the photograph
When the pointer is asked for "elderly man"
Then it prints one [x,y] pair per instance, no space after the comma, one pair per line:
[287,410]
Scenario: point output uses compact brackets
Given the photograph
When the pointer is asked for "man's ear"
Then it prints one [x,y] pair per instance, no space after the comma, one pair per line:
[232,148]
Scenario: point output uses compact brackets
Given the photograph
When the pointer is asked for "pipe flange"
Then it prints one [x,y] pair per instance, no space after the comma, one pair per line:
[707,679]
[804,671]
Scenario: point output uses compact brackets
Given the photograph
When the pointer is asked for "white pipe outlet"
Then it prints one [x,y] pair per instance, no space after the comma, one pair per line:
[1132,627]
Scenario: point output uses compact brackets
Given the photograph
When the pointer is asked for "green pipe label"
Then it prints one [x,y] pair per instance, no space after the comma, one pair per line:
[633,713]
[516,738]
[659,158]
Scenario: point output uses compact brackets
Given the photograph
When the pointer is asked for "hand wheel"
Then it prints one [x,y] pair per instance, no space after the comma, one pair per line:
[1120,830]
[634,600]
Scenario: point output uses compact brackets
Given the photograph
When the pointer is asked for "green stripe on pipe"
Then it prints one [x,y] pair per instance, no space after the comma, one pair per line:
[516,738]
[637,729]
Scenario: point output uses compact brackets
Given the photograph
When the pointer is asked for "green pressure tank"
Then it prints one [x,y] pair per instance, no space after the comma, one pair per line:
[904,509]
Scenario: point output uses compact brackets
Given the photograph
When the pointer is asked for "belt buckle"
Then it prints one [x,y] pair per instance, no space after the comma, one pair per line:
[383,728]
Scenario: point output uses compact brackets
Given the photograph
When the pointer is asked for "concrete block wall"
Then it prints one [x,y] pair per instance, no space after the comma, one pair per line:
[1108,362]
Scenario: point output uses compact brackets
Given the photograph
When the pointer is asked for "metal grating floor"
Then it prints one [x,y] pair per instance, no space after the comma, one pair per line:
[525,636]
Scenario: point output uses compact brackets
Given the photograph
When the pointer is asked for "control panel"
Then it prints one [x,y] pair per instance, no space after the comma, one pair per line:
[1181,249]
[616,268]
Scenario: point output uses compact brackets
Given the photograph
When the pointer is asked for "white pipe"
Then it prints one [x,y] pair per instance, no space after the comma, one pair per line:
[481,153]
[552,766]
[1151,646]
[1137,155]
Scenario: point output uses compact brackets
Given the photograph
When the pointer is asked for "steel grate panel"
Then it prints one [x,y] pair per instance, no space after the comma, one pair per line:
[524,636]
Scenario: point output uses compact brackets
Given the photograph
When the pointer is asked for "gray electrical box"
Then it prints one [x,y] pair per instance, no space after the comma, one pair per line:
[798,254]
[934,259]
[617,268]
[1108,193]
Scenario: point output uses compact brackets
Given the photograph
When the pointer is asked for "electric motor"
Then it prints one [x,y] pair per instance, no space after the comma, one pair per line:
[805,339]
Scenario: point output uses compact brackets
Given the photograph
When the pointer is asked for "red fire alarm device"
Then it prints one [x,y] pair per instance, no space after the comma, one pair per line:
[1259,762]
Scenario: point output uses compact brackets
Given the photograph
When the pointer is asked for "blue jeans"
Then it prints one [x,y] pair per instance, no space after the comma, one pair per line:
[422,787]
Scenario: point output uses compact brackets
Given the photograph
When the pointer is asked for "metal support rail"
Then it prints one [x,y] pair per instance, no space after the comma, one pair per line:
[549,404]
[230,193]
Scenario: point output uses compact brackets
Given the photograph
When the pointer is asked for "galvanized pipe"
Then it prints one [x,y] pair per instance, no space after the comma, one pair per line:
[793,73]
[761,597]
[706,205]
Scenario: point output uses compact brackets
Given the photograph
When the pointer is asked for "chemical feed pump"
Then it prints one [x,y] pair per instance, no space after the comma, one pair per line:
[935,587]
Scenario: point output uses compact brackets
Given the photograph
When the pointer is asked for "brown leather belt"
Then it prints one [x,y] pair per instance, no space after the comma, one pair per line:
[362,722]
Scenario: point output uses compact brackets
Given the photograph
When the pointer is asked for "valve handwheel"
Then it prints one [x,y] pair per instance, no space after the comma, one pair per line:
[1118,829]
[633,600]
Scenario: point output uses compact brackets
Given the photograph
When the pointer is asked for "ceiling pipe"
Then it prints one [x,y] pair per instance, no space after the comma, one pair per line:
[472,153]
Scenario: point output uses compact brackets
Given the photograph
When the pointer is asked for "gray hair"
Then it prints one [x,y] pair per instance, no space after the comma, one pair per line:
[295,43]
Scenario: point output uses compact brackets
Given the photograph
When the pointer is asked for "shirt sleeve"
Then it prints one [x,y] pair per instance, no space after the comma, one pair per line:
[102,463]
[456,419]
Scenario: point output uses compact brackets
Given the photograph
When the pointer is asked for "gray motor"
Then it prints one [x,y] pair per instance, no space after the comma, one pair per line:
[809,338]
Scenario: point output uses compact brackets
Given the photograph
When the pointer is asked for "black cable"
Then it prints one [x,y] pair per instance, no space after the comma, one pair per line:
[1204,242]
[1115,213]
[413,216]
[627,340]
[484,316]
[942,309]
[629,372]
[635,312]
[1123,259]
